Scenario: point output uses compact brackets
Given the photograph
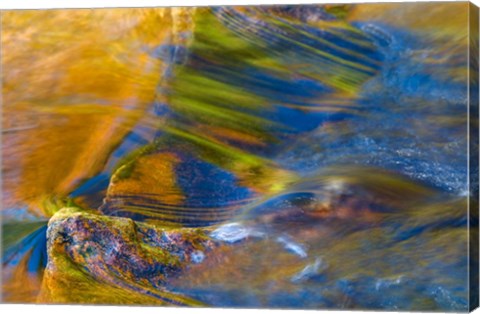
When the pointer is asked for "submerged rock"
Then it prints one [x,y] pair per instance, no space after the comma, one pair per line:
[100,259]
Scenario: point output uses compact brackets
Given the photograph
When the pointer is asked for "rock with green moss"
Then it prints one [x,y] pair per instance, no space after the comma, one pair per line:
[100,259]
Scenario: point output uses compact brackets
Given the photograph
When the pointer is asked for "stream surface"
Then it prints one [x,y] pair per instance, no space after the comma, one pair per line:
[323,147]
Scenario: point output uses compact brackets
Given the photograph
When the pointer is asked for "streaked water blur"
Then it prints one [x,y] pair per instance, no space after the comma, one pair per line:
[324,145]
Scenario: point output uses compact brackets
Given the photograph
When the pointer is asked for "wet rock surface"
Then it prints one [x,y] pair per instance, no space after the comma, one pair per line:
[87,251]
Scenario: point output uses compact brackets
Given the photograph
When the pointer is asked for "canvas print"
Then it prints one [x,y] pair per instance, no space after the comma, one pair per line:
[283,156]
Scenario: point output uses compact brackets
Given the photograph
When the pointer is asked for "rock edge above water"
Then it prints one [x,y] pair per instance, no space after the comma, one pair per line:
[109,260]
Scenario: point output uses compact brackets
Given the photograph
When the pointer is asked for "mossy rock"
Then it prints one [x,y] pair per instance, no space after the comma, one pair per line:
[108,260]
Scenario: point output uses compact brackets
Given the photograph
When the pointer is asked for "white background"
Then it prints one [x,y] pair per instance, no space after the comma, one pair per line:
[68,309]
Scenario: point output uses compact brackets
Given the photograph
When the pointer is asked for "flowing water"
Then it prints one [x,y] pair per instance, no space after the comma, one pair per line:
[324,146]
